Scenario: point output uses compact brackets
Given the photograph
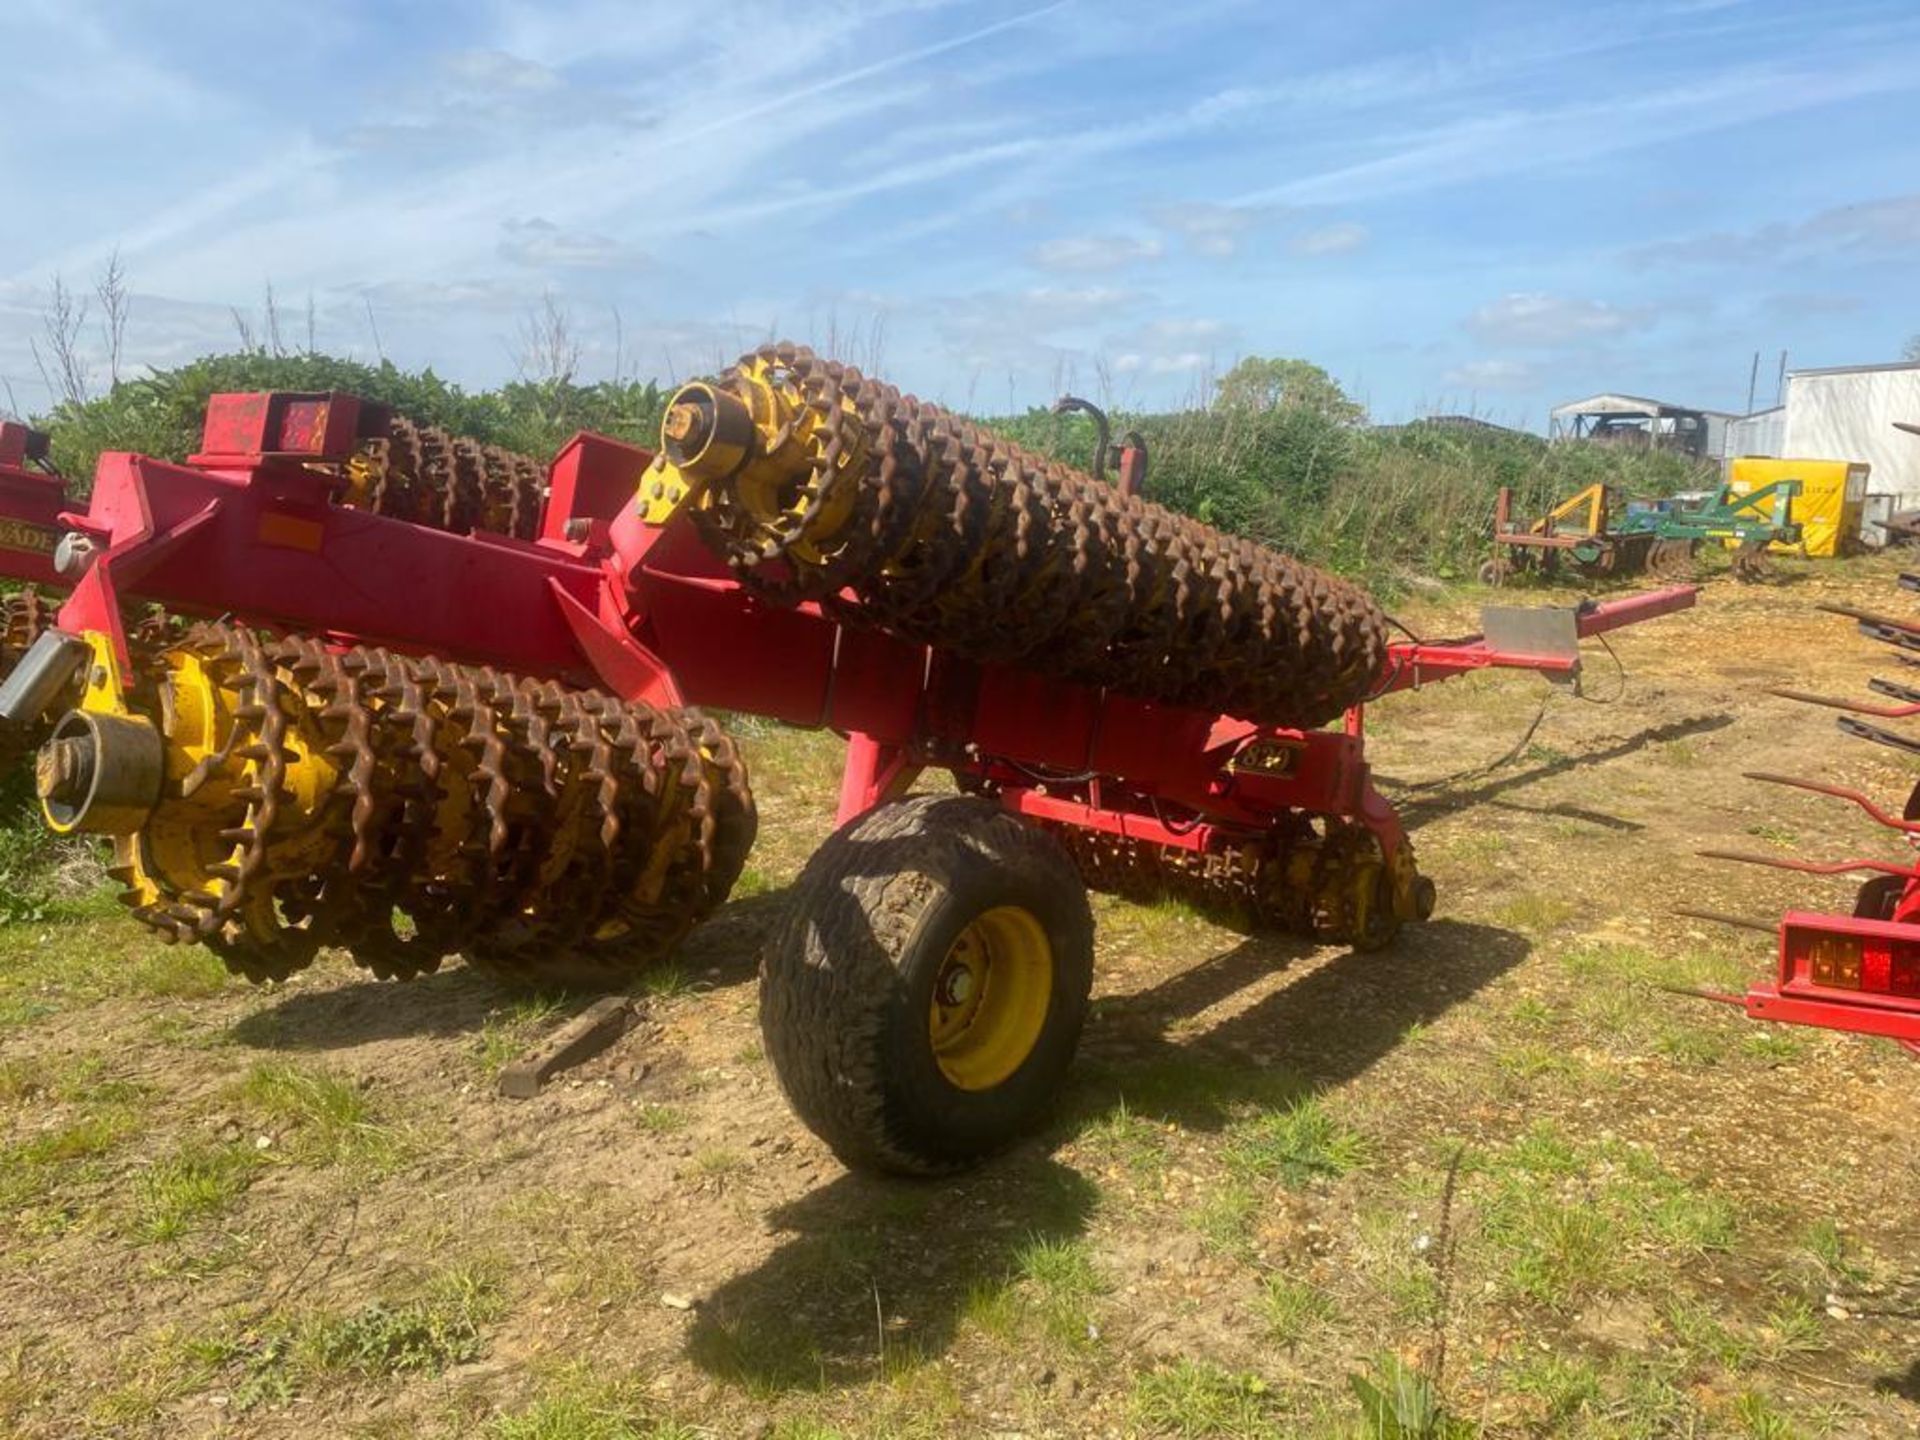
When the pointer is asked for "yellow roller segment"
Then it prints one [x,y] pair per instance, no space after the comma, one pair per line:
[219,789]
[784,456]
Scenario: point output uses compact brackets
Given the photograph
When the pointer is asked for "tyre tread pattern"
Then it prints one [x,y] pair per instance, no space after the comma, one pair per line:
[829,973]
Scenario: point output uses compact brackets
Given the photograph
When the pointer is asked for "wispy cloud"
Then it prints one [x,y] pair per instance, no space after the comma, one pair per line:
[1888,227]
[1341,239]
[1216,231]
[1492,375]
[1097,252]
[1325,187]
[1548,321]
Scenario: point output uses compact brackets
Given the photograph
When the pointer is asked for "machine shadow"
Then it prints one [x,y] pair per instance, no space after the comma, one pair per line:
[879,1270]
[1906,1386]
[1433,800]
[1314,1033]
[457,1000]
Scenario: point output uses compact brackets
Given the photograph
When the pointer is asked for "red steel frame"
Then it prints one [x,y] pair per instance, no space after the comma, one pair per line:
[30,505]
[250,527]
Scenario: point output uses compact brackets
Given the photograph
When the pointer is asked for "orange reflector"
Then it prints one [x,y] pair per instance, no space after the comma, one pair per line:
[293,532]
[1835,961]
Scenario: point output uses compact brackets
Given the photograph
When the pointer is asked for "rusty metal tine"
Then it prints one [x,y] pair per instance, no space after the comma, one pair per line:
[1837,792]
[1894,689]
[1890,635]
[1869,617]
[1739,922]
[1860,730]
[1810,867]
[1909,580]
[1853,707]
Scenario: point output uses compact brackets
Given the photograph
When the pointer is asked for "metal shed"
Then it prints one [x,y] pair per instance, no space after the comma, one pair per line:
[1762,433]
[1849,413]
[1637,420]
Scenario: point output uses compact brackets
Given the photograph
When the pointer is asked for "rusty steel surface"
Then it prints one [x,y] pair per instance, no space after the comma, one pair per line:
[965,541]
[424,474]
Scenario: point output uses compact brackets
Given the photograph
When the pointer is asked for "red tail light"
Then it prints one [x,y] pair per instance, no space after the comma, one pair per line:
[1872,957]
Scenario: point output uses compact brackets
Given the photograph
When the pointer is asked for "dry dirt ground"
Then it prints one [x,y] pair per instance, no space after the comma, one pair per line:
[1500,1170]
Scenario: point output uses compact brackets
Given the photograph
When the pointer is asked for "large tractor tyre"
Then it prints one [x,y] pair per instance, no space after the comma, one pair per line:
[922,1000]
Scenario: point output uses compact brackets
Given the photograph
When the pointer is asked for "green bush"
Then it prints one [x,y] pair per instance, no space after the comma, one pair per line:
[161,414]
[1382,505]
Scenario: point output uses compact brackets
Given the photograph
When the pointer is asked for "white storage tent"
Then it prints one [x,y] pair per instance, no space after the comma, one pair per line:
[1848,413]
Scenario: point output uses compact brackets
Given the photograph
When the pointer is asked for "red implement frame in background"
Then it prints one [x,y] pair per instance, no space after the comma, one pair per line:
[252,528]
[1867,1007]
[30,504]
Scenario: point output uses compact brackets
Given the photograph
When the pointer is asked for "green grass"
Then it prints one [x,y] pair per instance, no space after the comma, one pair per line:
[668,981]
[441,1325]
[87,952]
[1565,1219]
[1562,1386]
[1199,1401]
[1047,1293]
[197,1182]
[718,1163]
[659,1119]
[1225,1216]
[1760,1418]
[1061,1282]
[73,1119]
[1301,1143]
[46,1178]
[507,1031]
[1130,1141]
[1535,914]
[578,1406]
[1793,1327]
[324,1119]
[1828,1246]
[1291,1310]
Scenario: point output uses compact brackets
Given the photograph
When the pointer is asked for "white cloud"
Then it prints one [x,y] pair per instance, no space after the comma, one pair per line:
[1185,362]
[1533,318]
[1340,239]
[1096,252]
[1885,227]
[1492,375]
[1215,231]
[1486,142]
[541,244]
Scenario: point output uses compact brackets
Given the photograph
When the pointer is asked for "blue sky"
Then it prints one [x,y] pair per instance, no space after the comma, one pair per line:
[1482,205]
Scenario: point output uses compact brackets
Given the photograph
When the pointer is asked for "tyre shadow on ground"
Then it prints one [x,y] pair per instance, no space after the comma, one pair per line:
[457,1000]
[878,1270]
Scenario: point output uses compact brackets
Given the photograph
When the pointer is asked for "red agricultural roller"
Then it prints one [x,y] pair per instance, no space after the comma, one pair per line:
[343,681]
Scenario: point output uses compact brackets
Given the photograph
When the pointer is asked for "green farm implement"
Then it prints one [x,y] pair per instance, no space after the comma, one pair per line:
[1582,534]
[1751,523]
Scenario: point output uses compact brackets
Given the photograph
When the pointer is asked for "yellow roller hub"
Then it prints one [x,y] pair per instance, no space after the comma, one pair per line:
[990,998]
[773,442]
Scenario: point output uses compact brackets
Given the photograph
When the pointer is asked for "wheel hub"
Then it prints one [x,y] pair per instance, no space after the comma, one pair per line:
[990,998]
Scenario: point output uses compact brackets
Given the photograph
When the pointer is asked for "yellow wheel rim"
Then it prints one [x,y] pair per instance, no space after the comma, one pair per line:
[990,998]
